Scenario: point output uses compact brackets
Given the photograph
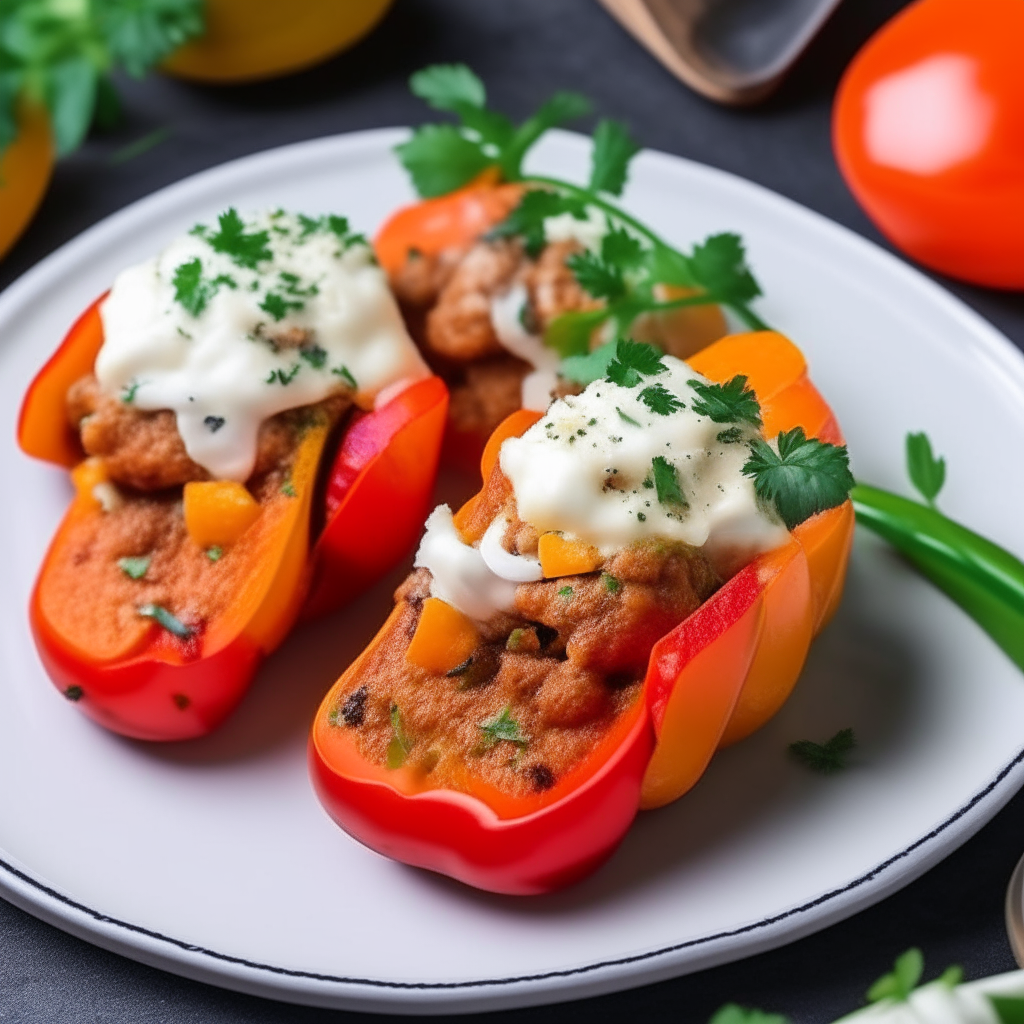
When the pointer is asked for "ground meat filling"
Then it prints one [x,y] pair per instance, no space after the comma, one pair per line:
[446,300]
[144,451]
[562,667]
[144,454]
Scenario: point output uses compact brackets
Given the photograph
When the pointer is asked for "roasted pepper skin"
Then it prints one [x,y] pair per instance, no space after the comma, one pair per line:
[718,676]
[165,688]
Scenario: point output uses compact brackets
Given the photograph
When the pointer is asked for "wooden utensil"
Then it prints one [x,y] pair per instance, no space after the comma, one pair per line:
[732,51]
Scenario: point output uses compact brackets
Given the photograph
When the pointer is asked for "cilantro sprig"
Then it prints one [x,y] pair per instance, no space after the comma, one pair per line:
[632,260]
[61,55]
[805,476]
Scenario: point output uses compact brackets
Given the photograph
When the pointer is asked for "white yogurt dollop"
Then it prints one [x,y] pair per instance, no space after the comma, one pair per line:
[234,323]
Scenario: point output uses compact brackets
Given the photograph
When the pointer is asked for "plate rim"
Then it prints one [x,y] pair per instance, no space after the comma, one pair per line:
[137,942]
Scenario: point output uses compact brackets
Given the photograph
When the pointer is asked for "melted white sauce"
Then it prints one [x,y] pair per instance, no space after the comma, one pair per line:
[219,369]
[587,471]
[506,318]
[459,574]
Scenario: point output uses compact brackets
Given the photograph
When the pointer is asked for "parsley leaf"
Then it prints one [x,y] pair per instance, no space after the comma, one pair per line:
[344,373]
[719,265]
[732,402]
[660,400]
[400,745]
[586,368]
[826,758]
[901,981]
[807,476]
[164,618]
[596,277]
[314,355]
[245,248]
[140,33]
[134,566]
[448,87]
[193,290]
[503,727]
[731,1013]
[527,219]
[609,162]
[633,361]
[442,157]
[666,483]
[927,473]
[570,333]
[439,159]
[625,418]
[283,377]
[621,249]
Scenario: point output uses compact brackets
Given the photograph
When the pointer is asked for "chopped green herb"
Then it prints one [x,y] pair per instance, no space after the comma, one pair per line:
[283,377]
[641,517]
[731,1013]
[565,592]
[215,553]
[503,727]
[314,355]
[807,476]
[901,980]
[134,567]
[164,618]
[343,372]
[660,400]
[666,482]
[244,248]
[627,419]
[825,758]
[288,489]
[213,423]
[611,584]
[139,146]
[278,306]
[732,402]
[613,150]
[731,436]
[74,693]
[128,392]
[927,473]
[400,745]
[192,290]
[633,361]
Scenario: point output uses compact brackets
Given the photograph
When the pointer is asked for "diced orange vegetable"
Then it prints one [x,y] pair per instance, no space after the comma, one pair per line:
[86,475]
[560,556]
[218,512]
[444,637]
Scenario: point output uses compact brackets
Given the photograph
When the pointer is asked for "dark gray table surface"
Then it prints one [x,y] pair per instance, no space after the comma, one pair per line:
[525,50]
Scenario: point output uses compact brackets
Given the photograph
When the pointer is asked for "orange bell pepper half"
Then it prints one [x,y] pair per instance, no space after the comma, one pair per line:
[715,678]
[143,680]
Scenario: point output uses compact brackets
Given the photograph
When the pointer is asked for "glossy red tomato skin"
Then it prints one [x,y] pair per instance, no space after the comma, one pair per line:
[928,129]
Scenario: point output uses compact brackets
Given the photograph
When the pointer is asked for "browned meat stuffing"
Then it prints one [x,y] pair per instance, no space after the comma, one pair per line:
[144,450]
[565,665]
[447,302]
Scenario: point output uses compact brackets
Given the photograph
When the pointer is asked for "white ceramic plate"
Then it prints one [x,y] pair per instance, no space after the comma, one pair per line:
[213,858]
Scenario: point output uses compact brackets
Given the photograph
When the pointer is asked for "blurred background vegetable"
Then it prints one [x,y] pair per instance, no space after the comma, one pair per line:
[250,39]
[56,58]
[928,131]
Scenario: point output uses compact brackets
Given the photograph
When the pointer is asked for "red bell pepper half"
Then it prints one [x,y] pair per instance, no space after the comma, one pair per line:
[715,678]
[150,683]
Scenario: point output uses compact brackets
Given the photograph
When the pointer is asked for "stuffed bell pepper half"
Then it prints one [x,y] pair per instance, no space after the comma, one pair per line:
[239,415]
[636,585]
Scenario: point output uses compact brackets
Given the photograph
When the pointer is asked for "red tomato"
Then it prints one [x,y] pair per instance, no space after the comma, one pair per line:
[928,129]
